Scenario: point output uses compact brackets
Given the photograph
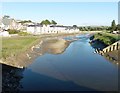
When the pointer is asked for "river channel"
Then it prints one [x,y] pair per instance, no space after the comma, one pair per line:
[77,68]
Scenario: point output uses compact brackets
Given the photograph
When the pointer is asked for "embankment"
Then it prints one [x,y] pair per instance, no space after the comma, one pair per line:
[18,51]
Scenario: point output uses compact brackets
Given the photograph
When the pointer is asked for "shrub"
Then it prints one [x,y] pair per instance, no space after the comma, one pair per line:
[107,39]
[12,31]
[23,33]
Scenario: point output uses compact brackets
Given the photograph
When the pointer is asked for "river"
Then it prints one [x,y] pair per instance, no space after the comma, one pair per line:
[78,68]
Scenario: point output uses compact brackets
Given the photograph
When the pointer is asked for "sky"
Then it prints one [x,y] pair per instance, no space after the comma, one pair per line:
[64,13]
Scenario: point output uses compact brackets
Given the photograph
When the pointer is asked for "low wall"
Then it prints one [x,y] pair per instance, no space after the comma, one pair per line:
[113,47]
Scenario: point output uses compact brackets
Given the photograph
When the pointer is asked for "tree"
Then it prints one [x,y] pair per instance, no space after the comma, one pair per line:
[81,28]
[75,26]
[118,27]
[113,25]
[6,16]
[25,21]
[45,22]
[53,22]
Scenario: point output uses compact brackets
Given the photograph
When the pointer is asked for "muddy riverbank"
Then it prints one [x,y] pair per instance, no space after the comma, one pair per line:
[23,59]
[46,44]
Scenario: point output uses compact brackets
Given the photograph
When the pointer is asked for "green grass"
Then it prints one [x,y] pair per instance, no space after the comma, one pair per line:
[107,38]
[13,46]
[23,34]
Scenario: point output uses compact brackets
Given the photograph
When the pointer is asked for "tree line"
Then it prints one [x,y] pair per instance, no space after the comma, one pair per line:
[94,28]
[111,28]
[115,27]
[47,22]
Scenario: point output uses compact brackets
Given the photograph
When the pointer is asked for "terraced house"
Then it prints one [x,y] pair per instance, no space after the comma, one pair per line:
[48,29]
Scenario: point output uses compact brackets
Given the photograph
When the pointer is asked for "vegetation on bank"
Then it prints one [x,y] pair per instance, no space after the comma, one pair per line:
[23,34]
[13,31]
[111,28]
[25,21]
[15,45]
[106,38]
[94,28]
[47,22]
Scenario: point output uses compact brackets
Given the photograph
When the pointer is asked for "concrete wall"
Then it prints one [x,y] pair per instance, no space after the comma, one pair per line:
[113,47]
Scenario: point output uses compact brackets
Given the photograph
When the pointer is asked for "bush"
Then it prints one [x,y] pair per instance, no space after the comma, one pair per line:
[12,31]
[23,33]
[107,39]
[99,34]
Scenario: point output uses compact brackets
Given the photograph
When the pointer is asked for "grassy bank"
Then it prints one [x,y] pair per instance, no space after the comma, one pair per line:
[13,46]
[16,51]
[106,38]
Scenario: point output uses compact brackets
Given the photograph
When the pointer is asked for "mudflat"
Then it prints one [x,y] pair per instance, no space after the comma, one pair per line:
[42,46]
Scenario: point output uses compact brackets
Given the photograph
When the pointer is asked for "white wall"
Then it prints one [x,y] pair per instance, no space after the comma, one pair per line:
[38,30]
[4,34]
[48,30]
[30,30]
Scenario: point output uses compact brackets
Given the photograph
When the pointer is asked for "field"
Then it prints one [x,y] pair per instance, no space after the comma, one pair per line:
[13,46]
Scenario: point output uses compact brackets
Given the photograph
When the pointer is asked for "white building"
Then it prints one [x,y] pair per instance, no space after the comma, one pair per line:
[10,23]
[43,29]
[4,34]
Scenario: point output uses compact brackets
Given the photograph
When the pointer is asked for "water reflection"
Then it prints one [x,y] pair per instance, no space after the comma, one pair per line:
[11,78]
[113,57]
[44,82]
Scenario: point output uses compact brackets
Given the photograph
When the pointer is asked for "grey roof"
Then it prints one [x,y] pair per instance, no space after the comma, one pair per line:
[6,21]
[36,25]
[57,26]
[39,25]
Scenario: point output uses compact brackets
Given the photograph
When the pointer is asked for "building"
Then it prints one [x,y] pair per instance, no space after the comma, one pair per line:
[34,28]
[49,29]
[4,34]
[10,23]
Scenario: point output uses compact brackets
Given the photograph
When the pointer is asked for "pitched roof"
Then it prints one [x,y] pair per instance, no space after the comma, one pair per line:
[36,25]
[6,21]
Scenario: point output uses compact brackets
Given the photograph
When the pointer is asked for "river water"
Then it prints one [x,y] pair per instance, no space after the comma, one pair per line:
[78,68]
